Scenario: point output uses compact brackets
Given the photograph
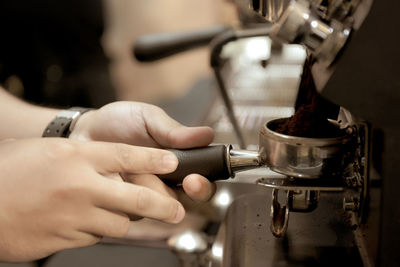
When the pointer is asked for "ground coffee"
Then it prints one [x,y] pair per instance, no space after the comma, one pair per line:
[311,112]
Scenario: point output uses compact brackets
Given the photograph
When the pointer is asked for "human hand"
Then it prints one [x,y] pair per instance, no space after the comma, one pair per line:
[146,125]
[59,193]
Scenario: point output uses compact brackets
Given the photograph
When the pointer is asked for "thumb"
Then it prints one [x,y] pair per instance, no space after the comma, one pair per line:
[169,133]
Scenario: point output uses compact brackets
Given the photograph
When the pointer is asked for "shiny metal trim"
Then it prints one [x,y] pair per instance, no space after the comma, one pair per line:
[294,184]
[279,215]
[303,200]
[241,160]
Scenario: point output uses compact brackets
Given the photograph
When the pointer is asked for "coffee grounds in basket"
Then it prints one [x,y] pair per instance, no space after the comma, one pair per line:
[312,112]
[304,123]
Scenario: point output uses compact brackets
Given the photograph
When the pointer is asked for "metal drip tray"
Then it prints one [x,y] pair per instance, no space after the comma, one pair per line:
[320,238]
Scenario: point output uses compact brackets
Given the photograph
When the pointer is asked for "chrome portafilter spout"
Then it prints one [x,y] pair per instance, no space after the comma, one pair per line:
[241,160]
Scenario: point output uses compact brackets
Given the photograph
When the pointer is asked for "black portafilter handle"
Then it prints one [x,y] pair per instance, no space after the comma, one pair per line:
[153,47]
[218,162]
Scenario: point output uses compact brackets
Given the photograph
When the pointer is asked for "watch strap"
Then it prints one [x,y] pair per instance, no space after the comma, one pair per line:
[62,124]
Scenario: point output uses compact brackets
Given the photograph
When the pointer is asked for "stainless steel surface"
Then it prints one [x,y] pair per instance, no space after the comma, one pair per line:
[321,238]
[350,204]
[271,10]
[217,62]
[303,157]
[335,9]
[241,160]
[230,112]
[295,201]
[299,157]
[279,214]
[188,242]
[303,200]
[189,246]
[299,23]
[262,83]
[295,184]
[291,25]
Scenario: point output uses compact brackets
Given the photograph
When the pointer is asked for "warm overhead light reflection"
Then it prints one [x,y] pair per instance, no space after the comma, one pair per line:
[314,24]
[217,251]
[187,241]
[223,198]
[258,47]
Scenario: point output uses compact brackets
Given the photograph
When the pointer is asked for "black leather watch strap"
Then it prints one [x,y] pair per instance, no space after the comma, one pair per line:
[61,125]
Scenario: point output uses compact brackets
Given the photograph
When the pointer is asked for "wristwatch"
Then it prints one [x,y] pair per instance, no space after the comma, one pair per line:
[63,124]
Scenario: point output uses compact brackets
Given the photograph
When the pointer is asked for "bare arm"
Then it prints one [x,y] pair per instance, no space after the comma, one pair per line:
[19,119]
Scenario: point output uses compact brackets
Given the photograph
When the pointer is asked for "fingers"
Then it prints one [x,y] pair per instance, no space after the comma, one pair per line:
[77,240]
[117,158]
[114,176]
[101,222]
[198,187]
[169,133]
[150,181]
[137,200]
[189,137]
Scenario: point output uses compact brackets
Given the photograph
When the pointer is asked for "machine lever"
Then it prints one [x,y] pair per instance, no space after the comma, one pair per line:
[153,47]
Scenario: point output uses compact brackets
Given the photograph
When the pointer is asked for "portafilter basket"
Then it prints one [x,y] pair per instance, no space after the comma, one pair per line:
[305,157]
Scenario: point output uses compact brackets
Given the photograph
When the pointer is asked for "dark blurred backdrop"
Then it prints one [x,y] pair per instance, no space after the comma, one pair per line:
[50,52]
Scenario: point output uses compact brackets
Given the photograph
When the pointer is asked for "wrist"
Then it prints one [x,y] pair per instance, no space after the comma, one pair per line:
[81,130]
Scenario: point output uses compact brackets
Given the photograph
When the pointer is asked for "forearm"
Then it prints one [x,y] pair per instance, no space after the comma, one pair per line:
[19,119]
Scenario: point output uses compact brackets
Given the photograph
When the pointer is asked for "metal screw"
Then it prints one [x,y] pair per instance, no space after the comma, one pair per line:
[350,204]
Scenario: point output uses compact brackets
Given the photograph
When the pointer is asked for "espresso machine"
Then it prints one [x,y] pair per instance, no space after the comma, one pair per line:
[339,192]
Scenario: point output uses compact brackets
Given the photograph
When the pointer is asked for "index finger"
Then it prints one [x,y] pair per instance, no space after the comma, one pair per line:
[122,158]
[138,200]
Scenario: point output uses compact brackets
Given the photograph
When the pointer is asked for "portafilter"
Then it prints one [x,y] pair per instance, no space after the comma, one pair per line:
[298,157]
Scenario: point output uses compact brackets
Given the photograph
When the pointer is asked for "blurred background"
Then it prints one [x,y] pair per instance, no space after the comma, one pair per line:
[79,53]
